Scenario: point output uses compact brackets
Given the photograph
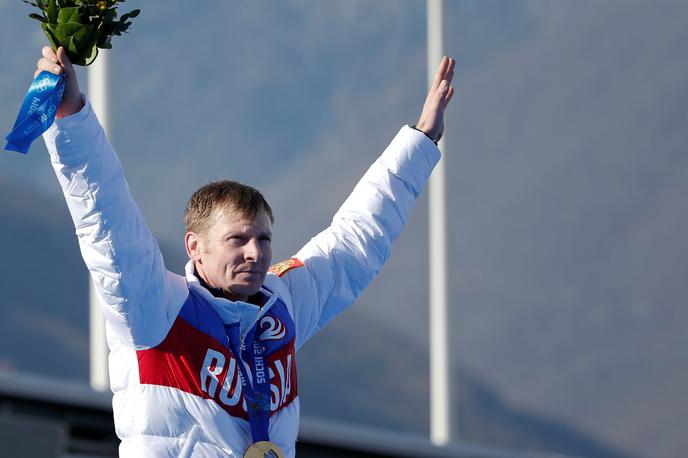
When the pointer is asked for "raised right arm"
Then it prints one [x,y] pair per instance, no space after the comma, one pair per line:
[140,299]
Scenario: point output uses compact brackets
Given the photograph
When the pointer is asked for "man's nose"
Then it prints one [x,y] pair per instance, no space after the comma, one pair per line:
[252,251]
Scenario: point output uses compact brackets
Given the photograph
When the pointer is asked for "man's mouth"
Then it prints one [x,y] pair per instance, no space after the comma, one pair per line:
[250,272]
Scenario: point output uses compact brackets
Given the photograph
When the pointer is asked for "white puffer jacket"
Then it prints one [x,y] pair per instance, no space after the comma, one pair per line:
[174,381]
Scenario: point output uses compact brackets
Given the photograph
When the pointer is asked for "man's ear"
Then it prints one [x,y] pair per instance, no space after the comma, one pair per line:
[192,242]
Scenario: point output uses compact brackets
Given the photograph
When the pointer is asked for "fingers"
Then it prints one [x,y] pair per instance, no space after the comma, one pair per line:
[450,94]
[441,71]
[445,71]
[46,64]
[63,59]
[49,54]
[445,89]
[54,62]
[443,94]
[449,74]
[57,63]
[442,91]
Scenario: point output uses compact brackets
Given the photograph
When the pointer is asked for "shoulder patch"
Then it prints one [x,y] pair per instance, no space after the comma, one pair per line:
[281,268]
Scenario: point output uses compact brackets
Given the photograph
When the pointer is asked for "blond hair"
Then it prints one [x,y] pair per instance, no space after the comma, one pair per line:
[206,204]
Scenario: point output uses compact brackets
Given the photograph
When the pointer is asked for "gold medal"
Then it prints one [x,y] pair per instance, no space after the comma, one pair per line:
[263,449]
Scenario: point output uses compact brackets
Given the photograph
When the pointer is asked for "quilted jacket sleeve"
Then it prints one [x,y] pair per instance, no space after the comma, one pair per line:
[140,299]
[342,260]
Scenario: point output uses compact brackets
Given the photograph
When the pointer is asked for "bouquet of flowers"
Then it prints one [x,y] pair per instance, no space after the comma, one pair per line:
[81,26]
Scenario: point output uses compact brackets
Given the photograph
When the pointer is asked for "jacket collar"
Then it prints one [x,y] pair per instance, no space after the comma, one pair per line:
[230,312]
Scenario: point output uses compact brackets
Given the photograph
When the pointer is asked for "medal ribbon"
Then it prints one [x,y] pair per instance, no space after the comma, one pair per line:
[37,112]
[257,387]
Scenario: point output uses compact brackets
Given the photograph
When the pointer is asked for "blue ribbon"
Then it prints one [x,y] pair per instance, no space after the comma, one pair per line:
[257,388]
[37,112]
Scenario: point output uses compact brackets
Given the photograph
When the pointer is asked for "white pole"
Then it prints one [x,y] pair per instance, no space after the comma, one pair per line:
[440,369]
[98,95]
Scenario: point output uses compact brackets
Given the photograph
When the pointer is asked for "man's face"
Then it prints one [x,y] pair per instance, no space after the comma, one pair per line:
[234,254]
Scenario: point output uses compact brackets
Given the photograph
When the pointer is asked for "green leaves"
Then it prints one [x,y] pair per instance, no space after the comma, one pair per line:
[38,17]
[81,26]
[51,11]
[78,40]
[67,15]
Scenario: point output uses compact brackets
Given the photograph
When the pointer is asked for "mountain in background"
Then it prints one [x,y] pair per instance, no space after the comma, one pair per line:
[45,322]
[343,374]
[44,327]
[566,164]
[370,374]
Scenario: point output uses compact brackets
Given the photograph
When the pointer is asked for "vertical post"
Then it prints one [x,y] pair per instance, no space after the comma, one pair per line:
[440,368]
[98,96]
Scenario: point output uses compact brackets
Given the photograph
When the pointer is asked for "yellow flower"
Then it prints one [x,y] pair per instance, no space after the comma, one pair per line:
[102,5]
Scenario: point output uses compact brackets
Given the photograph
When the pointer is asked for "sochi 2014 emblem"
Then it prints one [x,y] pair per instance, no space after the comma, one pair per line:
[273,329]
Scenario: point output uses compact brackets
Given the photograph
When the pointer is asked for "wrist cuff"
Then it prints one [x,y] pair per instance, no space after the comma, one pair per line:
[431,139]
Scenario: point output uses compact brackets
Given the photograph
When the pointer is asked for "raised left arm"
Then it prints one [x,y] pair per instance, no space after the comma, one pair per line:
[342,260]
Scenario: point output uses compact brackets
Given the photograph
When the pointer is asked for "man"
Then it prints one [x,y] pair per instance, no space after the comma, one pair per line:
[204,365]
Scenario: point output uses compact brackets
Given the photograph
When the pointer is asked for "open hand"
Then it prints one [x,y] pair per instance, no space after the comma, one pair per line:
[431,119]
[57,63]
